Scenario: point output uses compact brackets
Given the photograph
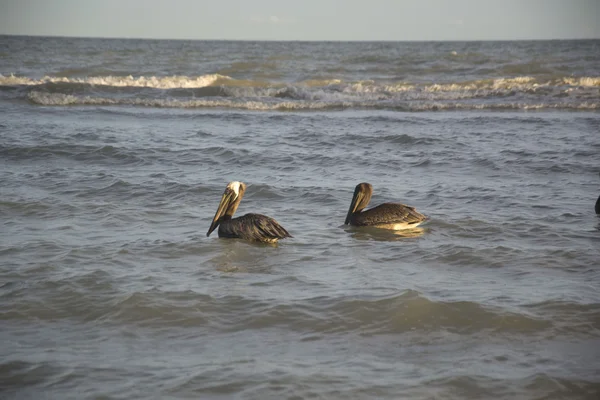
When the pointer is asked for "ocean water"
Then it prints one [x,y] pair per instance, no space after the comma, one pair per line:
[114,155]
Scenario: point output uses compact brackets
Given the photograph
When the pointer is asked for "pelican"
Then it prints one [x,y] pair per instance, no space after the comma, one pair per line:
[394,216]
[597,208]
[253,227]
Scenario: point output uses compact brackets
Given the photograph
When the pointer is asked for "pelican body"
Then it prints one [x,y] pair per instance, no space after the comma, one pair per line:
[597,207]
[252,227]
[394,216]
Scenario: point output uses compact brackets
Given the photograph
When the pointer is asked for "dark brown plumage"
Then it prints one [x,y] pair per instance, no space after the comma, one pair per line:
[597,208]
[252,227]
[393,216]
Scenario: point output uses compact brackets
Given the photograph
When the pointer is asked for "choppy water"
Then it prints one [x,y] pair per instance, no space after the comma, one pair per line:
[114,156]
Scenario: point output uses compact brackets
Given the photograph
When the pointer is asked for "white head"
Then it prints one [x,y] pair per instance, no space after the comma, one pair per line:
[235,187]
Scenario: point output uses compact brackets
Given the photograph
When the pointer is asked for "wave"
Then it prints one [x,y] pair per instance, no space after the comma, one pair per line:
[397,313]
[59,99]
[24,208]
[157,82]
[182,81]
[222,91]
[88,153]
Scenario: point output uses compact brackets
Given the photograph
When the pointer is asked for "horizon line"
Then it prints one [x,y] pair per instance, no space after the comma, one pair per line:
[298,40]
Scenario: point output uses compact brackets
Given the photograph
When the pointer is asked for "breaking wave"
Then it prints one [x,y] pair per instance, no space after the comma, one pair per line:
[215,90]
[157,82]
[172,82]
[58,99]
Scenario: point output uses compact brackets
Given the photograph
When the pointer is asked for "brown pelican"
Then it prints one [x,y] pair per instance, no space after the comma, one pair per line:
[253,227]
[597,208]
[393,216]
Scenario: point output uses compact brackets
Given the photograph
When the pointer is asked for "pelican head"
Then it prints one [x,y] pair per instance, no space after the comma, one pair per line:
[360,199]
[229,203]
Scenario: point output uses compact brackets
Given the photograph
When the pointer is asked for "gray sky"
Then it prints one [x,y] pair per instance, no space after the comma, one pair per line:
[305,19]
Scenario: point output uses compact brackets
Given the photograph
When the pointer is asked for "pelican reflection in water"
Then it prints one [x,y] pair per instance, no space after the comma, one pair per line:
[393,216]
[252,227]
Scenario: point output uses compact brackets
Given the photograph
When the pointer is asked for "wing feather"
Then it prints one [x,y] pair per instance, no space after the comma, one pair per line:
[255,227]
[389,213]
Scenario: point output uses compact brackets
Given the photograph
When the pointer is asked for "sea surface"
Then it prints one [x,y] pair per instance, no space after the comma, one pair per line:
[114,155]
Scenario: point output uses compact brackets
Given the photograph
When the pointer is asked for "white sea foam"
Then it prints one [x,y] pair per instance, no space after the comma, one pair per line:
[319,89]
[584,81]
[318,93]
[158,82]
[524,82]
[59,99]
[322,82]
[181,81]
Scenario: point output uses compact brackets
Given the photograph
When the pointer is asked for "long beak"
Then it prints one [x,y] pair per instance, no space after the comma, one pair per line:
[355,201]
[223,205]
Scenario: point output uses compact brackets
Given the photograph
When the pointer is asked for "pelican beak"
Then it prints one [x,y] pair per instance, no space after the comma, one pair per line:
[228,196]
[353,205]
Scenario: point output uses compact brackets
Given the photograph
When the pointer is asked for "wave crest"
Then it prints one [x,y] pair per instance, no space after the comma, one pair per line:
[157,82]
[59,99]
[215,90]
[182,82]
